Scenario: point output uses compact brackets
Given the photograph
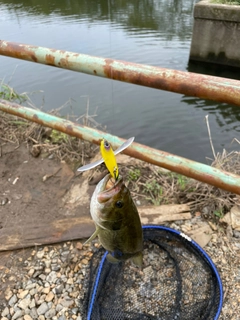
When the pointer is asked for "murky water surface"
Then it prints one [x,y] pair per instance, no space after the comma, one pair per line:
[154,32]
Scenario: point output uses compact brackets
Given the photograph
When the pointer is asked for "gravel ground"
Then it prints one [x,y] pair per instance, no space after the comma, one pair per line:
[49,282]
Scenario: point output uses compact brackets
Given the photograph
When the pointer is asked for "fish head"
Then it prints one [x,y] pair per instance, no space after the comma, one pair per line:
[109,201]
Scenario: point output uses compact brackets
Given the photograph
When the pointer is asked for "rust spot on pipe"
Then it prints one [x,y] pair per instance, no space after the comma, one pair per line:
[33,57]
[69,129]
[150,80]
[15,50]
[191,84]
[64,63]
[50,60]
[108,68]
[98,142]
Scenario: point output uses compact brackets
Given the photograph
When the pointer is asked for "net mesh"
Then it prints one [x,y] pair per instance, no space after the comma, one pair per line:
[178,281]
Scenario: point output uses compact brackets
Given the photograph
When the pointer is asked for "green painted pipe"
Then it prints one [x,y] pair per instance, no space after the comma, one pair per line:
[190,84]
[189,168]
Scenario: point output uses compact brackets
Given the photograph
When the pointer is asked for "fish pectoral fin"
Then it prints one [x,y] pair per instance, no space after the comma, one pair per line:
[138,259]
[93,236]
[111,259]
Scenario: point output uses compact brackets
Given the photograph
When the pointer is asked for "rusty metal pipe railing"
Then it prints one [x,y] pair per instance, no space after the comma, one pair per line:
[191,84]
[189,168]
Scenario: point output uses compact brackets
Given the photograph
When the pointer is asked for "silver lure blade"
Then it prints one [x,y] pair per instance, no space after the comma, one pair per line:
[96,163]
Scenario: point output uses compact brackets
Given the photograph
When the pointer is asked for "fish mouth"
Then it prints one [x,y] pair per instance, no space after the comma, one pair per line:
[109,188]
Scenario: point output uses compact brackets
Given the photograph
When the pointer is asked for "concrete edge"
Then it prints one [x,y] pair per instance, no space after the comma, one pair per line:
[205,9]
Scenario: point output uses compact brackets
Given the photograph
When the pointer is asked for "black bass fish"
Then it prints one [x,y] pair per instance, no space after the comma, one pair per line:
[117,221]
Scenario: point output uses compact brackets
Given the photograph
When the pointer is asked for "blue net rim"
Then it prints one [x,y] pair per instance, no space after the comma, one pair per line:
[184,236]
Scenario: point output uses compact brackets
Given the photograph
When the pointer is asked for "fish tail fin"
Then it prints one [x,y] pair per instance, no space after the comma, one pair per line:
[138,259]
[93,236]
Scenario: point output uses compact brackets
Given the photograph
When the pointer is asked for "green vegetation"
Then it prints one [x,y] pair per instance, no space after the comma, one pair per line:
[236,2]
[155,190]
[58,137]
[9,94]
[181,181]
[134,174]
[48,142]
[219,213]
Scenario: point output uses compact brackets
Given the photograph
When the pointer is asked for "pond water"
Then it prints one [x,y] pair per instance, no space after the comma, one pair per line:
[153,32]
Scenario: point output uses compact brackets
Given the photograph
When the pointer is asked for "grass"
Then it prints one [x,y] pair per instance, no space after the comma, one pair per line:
[236,2]
[57,137]
[50,142]
[9,94]
[157,186]
[155,191]
[134,174]
[219,213]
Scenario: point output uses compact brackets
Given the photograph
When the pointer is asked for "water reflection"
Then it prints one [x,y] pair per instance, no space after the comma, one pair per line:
[214,70]
[227,115]
[172,17]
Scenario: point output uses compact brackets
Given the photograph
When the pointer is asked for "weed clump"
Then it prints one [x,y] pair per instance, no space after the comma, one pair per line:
[43,140]
[159,186]
[231,2]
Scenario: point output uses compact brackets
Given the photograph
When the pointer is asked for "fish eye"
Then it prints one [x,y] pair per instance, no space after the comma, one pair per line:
[119,204]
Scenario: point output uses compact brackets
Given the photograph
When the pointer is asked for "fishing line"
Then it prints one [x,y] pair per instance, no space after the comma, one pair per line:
[110,47]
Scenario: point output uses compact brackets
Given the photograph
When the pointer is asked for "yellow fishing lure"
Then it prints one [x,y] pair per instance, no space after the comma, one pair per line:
[109,158]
